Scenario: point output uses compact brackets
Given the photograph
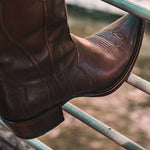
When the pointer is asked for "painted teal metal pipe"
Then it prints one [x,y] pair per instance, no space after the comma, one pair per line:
[139,83]
[102,128]
[129,7]
[38,145]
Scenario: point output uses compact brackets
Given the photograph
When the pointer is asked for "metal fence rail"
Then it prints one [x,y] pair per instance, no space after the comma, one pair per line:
[38,145]
[139,83]
[129,7]
[132,80]
[102,128]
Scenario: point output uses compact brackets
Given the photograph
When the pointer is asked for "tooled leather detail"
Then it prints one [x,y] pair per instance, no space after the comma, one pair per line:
[48,46]
[18,44]
[109,41]
[102,43]
[114,38]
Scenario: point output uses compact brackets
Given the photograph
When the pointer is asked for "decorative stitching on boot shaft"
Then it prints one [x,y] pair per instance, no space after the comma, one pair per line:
[48,46]
[18,44]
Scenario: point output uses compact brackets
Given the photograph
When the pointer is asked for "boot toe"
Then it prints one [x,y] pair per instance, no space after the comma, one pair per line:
[119,45]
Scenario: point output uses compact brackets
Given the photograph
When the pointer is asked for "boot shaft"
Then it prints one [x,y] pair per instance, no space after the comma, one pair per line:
[34,23]
[24,18]
[38,29]
[35,49]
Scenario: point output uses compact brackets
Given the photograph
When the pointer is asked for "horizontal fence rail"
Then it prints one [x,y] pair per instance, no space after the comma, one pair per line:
[139,83]
[38,145]
[129,7]
[102,128]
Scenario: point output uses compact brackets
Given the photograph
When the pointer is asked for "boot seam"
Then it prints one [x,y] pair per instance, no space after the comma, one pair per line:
[83,68]
[48,46]
[18,44]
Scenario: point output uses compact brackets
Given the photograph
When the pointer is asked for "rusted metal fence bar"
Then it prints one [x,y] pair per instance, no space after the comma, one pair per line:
[129,7]
[102,128]
[139,83]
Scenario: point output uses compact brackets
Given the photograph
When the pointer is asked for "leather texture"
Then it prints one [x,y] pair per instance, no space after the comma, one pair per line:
[42,65]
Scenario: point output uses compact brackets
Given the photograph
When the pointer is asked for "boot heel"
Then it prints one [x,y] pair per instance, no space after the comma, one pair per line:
[38,125]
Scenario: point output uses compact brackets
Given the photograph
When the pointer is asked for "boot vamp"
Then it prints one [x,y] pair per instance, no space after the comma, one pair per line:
[105,57]
[108,54]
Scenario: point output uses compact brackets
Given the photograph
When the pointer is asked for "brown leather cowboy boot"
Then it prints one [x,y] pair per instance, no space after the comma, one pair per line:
[42,66]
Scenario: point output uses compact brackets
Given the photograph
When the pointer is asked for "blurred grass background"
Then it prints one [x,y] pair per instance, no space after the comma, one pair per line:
[127,110]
